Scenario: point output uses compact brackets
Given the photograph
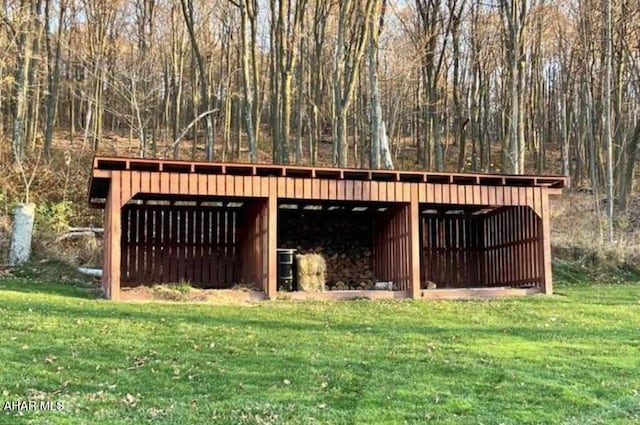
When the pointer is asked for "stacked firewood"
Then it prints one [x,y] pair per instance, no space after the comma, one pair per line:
[353,271]
[343,241]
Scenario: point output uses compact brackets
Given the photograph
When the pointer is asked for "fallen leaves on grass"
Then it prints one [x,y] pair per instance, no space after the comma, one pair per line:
[139,361]
[130,400]
[154,412]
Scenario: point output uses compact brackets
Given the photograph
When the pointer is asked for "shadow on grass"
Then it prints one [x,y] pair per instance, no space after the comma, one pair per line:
[262,320]
[70,290]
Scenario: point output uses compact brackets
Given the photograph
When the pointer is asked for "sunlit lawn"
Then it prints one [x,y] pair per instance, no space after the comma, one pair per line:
[571,358]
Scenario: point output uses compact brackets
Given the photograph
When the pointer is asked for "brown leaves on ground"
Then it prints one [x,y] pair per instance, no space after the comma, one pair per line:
[130,400]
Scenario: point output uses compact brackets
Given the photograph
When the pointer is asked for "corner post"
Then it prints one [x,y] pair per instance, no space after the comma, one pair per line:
[272,244]
[414,242]
[547,287]
[113,226]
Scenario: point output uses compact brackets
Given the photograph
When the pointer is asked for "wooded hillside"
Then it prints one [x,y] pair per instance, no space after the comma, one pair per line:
[528,86]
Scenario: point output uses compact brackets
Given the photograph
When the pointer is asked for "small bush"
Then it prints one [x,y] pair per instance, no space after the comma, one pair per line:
[53,217]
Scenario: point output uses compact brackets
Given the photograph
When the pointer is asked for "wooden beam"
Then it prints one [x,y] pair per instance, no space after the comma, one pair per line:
[346,295]
[115,231]
[546,246]
[414,243]
[272,244]
[470,293]
[199,167]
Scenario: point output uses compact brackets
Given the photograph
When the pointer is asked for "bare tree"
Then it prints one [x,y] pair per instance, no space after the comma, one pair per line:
[377,127]
[606,125]
[203,83]
[54,73]
[250,81]
[350,46]
[515,13]
[433,34]
[24,41]
[287,22]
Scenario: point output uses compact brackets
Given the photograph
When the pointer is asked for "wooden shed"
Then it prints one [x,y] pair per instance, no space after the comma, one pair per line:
[215,225]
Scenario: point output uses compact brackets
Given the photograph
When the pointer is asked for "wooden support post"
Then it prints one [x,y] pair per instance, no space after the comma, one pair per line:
[414,243]
[547,287]
[272,244]
[114,226]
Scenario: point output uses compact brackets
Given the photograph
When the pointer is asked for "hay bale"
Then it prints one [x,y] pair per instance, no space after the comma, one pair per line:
[311,264]
[311,272]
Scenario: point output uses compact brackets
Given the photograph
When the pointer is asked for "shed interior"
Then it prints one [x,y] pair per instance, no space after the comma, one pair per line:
[209,242]
[480,247]
[361,242]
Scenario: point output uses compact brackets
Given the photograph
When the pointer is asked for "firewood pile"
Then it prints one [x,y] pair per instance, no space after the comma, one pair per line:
[343,241]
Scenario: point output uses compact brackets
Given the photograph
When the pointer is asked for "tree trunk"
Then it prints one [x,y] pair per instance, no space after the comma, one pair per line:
[375,123]
[187,11]
[247,82]
[177,72]
[299,102]
[346,70]
[24,43]
[607,116]
[631,150]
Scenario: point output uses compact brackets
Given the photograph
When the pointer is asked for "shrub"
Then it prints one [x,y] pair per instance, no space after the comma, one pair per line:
[53,217]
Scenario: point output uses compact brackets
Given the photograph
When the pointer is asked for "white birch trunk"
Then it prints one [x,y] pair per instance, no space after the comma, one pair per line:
[385,152]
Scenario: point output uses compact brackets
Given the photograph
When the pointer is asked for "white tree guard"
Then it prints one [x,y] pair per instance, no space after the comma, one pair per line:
[22,232]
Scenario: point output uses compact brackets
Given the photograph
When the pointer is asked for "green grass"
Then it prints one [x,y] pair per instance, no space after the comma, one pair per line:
[572,358]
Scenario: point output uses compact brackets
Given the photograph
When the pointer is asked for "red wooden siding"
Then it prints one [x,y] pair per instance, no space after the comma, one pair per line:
[391,260]
[108,250]
[147,242]
[451,248]
[497,249]
[511,254]
[254,228]
[170,243]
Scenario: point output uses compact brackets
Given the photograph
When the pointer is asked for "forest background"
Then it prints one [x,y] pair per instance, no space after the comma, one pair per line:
[520,87]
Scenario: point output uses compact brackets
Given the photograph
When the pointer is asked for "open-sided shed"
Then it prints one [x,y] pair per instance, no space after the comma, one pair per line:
[215,225]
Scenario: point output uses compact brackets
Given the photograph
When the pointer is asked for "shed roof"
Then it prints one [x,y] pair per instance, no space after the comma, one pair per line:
[99,184]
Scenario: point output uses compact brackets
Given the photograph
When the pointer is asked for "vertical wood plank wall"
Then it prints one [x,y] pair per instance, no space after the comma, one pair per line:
[519,259]
[175,243]
[253,246]
[390,256]
[497,249]
[512,257]
[450,251]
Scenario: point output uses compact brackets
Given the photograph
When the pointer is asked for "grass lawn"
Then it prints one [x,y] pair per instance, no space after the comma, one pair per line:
[572,358]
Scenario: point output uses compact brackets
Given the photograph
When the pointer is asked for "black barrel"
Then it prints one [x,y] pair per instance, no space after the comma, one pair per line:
[285,269]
